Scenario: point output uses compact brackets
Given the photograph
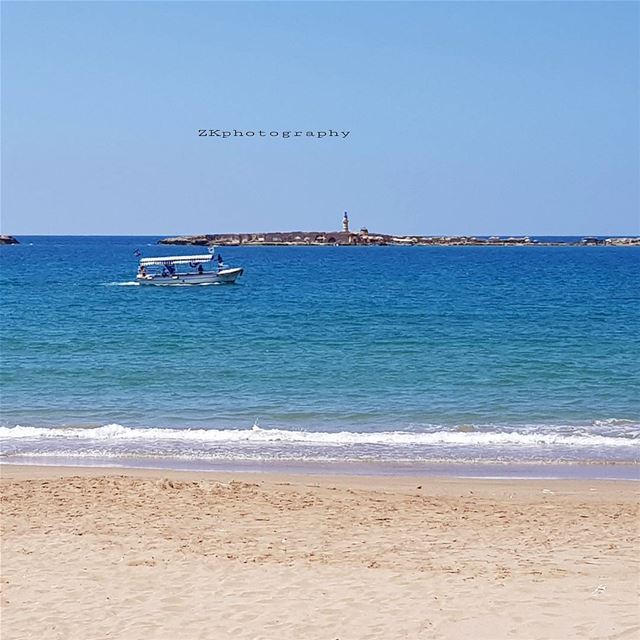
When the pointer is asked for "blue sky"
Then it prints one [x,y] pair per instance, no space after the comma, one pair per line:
[464,118]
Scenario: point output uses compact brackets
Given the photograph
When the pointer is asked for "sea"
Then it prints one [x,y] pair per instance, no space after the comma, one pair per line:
[384,359]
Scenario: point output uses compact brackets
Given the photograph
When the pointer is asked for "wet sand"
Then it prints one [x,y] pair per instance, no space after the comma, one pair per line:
[113,553]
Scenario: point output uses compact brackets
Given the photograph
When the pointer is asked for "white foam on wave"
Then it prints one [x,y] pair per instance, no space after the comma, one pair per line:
[117,432]
[614,422]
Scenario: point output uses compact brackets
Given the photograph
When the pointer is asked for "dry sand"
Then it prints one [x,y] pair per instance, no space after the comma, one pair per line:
[97,553]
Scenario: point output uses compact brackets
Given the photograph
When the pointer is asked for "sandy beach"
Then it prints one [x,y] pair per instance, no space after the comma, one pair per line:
[112,553]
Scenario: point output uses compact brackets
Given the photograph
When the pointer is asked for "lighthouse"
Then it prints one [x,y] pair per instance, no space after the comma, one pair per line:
[345,223]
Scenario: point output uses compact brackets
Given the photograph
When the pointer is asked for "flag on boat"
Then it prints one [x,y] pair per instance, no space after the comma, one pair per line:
[137,253]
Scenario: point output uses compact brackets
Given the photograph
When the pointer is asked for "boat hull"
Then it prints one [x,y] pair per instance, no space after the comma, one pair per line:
[224,276]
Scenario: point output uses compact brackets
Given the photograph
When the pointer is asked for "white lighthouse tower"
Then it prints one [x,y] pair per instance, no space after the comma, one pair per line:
[345,223]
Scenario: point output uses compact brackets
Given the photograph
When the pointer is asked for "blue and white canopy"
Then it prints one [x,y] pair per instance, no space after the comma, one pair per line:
[166,260]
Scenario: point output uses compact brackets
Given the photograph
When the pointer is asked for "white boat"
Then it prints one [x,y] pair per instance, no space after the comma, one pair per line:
[181,270]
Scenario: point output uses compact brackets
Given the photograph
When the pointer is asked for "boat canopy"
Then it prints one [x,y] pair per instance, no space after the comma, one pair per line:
[148,262]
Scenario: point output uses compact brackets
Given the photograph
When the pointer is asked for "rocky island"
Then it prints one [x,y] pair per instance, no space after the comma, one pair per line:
[346,237]
[319,238]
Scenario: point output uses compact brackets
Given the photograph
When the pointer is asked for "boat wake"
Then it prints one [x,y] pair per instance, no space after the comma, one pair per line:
[122,284]
[137,284]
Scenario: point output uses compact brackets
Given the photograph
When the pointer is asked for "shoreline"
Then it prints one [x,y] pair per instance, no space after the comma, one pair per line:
[164,554]
[479,470]
[292,476]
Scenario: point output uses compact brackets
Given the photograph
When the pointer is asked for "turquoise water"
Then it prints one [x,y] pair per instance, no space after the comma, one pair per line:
[331,353]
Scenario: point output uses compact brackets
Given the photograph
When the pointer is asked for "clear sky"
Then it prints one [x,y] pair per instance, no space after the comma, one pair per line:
[464,118]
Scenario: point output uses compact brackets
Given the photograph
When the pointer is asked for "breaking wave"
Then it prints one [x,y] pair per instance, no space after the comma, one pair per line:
[622,434]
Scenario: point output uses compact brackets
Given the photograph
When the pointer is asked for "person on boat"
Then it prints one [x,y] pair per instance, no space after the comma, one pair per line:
[142,271]
[200,269]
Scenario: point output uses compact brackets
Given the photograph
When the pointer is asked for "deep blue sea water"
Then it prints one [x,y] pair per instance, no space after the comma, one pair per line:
[321,353]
